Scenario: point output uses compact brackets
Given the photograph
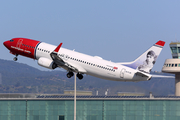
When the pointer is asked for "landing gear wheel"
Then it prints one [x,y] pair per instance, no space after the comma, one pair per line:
[15,58]
[70,74]
[80,76]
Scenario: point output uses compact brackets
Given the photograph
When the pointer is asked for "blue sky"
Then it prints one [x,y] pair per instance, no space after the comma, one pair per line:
[119,31]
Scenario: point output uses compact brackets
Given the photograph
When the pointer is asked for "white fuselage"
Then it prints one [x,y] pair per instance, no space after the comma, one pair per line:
[90,65]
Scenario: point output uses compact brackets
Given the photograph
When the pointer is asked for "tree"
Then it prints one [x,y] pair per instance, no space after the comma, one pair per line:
[17,84]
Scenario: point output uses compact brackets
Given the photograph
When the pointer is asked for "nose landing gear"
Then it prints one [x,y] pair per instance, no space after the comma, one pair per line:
[15,58]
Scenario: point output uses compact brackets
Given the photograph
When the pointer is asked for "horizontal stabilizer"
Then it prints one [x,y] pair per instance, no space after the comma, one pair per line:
[162,76]
[142,74]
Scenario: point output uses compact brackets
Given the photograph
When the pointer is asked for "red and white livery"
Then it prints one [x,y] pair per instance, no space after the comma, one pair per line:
[51,57]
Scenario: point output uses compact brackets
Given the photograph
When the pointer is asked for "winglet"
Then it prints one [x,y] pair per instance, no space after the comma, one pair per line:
[160,43]
[58,47]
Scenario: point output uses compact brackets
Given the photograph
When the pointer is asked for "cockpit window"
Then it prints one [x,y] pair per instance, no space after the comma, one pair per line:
[11,40]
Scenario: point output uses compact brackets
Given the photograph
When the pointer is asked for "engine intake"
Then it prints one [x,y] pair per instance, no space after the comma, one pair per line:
[47,63]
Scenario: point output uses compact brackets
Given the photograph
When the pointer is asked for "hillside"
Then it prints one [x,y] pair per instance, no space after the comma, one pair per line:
[21,78]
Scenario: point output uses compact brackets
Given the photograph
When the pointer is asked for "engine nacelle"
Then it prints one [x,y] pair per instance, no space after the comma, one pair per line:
[47,63]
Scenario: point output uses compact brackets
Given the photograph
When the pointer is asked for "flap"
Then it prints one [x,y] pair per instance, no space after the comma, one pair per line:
[79,68]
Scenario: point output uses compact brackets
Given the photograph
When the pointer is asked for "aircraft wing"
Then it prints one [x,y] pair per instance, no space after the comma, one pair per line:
[61,63]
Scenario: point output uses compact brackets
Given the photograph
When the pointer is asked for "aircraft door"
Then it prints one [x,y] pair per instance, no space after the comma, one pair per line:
[66,57]
[122,73]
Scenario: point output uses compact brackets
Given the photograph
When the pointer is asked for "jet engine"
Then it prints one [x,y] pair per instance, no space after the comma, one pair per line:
[47,63]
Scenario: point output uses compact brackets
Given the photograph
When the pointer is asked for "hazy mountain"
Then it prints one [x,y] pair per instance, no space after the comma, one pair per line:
[18,77]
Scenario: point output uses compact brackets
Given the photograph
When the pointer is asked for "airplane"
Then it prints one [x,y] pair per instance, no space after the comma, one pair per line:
[51,57]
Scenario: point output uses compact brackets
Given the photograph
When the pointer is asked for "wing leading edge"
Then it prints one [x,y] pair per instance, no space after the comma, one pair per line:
[61,63]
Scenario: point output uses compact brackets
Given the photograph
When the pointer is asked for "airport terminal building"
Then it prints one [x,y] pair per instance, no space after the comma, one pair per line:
[53,107]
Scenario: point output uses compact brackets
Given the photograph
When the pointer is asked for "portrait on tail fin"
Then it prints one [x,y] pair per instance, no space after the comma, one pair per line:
[149,62]
[146,61]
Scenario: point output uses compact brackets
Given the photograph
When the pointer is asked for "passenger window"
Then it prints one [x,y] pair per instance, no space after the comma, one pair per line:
[175,65]
[172,65]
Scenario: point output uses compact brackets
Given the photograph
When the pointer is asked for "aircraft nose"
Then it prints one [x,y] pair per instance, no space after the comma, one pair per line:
[5,43]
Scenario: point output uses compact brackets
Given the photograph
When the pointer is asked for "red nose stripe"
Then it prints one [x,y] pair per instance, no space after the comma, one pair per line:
[160,43]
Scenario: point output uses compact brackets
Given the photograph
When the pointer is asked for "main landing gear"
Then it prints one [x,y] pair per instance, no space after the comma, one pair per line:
[70,74]
[80,76]
[15,58]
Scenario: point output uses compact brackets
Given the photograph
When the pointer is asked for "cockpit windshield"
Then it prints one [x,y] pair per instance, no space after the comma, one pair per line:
[11,40]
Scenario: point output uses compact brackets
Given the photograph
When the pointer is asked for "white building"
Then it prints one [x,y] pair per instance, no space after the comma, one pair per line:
[173,65]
